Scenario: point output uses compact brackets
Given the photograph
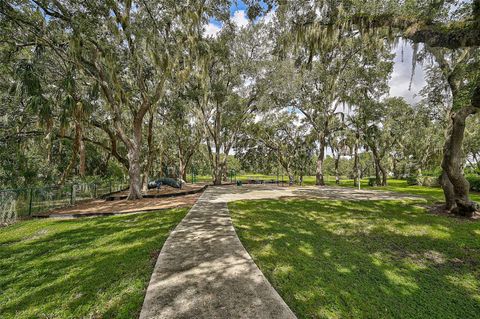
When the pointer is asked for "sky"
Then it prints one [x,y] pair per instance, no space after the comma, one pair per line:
[402,70]
[402,73]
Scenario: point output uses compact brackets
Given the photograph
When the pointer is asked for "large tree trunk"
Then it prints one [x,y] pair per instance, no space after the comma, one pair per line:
[183,163]
[396,174]
[337,172]
[217,169]
[291,178]
[181,168]
[448,191]
[319,179]
[148,165]
[217,176]
[453,169]
[134,169]
[356,160]
[224,171]
[378,180]
[379,169]
[134,173]
[384,175]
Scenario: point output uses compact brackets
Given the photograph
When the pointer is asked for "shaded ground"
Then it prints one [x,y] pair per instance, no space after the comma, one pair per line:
[80,268]
[363,259]
[99,206]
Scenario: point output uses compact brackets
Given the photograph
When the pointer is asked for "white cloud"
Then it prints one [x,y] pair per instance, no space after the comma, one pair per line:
[269,16]
[402,73]
[240,18]
[212,30]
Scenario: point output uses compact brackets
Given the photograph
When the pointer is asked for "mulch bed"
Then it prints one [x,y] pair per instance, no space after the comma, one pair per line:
[98,207]
[164,191]
[439,209]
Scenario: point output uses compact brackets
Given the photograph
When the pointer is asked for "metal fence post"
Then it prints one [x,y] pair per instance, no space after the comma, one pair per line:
[30,203]
[94,190]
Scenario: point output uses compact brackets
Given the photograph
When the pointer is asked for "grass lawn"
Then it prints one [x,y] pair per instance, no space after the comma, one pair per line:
[364,259]
[432,194]
[81,268]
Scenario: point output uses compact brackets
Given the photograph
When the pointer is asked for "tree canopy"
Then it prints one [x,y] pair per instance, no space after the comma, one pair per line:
[131,89]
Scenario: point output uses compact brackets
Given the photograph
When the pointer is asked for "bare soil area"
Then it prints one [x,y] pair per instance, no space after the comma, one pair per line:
[165,190]
[101,206]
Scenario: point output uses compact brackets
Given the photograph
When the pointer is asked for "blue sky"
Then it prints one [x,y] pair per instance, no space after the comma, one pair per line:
[239,6]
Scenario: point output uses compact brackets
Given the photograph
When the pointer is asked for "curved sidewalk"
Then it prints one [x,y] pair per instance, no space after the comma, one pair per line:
[203,271]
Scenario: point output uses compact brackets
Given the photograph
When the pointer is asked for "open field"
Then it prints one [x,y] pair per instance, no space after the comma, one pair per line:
[81,268]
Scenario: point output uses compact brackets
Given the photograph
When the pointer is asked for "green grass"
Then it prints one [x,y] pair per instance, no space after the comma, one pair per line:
[432,194]
[83,268]
[364,259]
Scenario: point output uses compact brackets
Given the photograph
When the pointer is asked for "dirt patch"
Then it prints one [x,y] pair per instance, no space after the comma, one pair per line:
[439,209]
[101,206]
[166,190]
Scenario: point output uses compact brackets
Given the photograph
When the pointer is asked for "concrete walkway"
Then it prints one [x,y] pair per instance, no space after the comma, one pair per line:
[203,271]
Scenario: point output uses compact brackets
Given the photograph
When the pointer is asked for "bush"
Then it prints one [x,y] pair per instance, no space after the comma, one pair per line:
[429,181]
[412,180]
[372,181]
[474,181]
[434,172]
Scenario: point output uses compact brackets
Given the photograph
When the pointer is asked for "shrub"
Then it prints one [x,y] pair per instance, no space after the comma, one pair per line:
[474,181]
[434,172]
[429,181]
[412,180]
[372,181]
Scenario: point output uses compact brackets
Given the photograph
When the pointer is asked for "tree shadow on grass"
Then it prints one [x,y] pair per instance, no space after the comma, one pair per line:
[81,268]
[364,259]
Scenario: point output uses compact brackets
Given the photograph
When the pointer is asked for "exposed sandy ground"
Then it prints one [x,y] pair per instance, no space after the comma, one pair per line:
[168,190]
[101,206]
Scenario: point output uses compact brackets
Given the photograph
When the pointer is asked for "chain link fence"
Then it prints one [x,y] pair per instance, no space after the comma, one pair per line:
[15,203]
